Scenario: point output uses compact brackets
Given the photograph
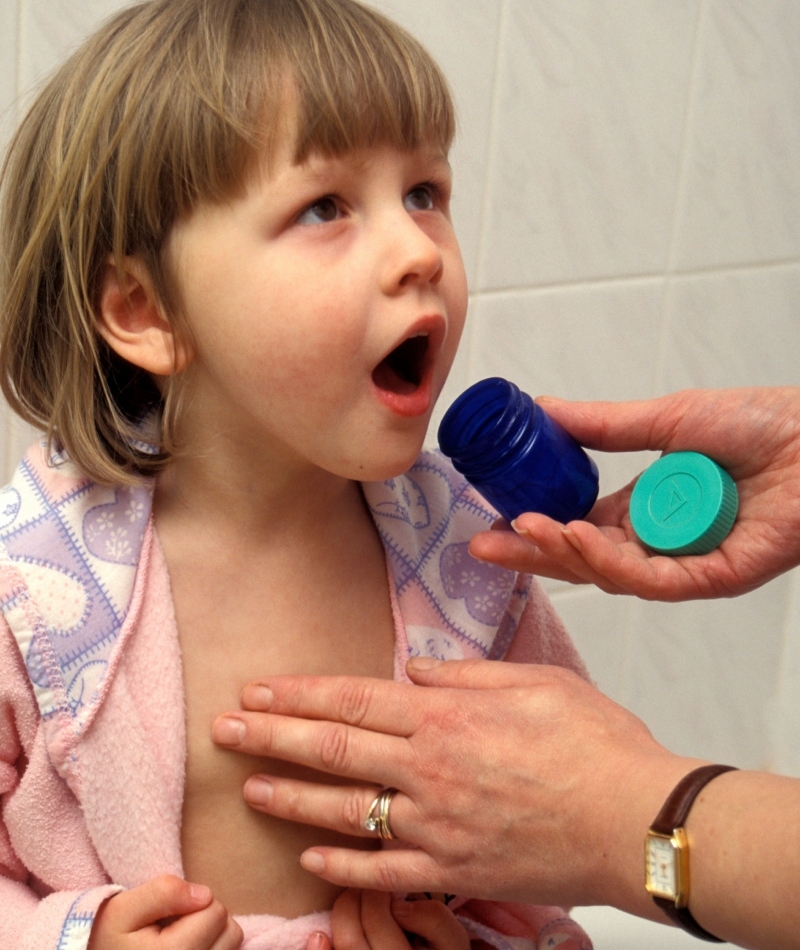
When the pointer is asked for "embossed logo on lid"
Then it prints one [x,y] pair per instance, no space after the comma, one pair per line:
[683,504]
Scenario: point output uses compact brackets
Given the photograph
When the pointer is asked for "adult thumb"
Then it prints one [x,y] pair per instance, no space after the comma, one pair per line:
[617,426]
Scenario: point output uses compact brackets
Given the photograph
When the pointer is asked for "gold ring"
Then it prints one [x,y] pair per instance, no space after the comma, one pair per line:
[378,814]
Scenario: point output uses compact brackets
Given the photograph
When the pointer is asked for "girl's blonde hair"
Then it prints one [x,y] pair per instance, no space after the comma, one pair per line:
[171,103]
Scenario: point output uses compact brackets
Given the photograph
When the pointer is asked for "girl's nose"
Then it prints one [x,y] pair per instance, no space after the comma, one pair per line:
[412,256]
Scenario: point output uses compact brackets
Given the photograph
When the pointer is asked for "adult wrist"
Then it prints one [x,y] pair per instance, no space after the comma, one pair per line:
[645,787]
[668,877]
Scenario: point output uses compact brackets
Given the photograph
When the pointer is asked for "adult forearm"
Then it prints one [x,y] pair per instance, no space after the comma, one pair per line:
[744,838]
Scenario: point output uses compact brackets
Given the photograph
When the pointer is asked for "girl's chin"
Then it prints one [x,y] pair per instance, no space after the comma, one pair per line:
[398,463]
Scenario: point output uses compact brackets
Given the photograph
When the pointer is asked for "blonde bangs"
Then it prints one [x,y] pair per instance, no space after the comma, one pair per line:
[169,104]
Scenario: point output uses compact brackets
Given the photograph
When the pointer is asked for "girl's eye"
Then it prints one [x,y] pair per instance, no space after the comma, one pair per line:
[321,212]
[421,198]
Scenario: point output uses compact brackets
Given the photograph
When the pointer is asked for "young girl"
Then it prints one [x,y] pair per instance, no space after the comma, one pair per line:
[231,293]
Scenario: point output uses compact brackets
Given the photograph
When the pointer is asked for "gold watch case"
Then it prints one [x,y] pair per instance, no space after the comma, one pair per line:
[666,863]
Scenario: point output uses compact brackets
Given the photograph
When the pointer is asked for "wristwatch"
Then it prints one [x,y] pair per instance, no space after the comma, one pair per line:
[666,851]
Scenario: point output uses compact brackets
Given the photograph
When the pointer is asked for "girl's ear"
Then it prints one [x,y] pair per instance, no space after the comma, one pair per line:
[131,320]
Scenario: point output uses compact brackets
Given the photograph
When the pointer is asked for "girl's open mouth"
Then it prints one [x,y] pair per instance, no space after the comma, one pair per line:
[402,371]
[402,379]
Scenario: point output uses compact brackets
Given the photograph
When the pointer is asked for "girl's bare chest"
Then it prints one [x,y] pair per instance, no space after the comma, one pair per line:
[251,861]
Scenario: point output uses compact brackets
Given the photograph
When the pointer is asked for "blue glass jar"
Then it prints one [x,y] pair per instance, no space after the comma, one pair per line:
[515,455]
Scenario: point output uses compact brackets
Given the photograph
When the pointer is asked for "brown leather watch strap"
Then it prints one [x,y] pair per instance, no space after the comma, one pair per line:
[676,808]
[673,815]
[683,918]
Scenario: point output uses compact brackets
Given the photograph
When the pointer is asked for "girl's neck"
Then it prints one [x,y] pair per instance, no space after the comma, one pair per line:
[256,497]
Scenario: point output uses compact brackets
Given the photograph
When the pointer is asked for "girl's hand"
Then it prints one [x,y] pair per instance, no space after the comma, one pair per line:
[164,914]
[371,920]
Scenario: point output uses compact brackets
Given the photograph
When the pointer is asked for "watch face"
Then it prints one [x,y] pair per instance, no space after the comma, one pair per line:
[662,877]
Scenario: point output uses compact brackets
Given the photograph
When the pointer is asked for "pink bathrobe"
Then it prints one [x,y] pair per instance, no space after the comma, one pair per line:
[92,731]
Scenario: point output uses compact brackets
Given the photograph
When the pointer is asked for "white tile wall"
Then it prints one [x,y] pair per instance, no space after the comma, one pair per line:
[741,202]
[586,152]
[628,201]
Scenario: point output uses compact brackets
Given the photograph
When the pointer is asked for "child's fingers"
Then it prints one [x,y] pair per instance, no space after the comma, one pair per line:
[346,926]
[209,929]
[362,920]
[381,929]
[160,898]
[432,921]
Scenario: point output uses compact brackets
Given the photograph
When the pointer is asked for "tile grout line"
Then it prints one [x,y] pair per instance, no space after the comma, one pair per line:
[591,283]
[487,180]
[680,192]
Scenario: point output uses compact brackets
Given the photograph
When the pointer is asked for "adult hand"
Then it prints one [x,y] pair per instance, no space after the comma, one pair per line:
[516,782]
[522,783]
[753,433]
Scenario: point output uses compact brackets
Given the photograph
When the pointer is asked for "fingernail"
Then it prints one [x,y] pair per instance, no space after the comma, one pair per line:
[423,663]
[520,530]
[258,790]
[316,940]
[312,861]
[258,697]
[572,538]
[200,893]
[228,731]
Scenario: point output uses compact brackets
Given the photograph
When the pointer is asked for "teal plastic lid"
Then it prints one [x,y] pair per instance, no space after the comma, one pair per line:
[683,504]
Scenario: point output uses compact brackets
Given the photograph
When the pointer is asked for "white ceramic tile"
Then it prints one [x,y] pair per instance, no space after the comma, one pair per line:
[742,197]
[598,624]
[51,29]
[462,37]
[8,68]
[785,712]
[739,328]
[702,674]
[595,342]
[588,137]
[611,929]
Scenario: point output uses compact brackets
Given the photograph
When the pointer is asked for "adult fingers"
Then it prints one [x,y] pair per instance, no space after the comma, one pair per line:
[326,746]
[521,552]
[398,869]
[319,941]
[378,705]
[555,543]
[338,807]
[432,921]
[157,899]
[621,426]
[652,577]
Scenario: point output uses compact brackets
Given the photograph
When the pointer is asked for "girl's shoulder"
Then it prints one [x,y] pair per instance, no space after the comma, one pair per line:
[69,552]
